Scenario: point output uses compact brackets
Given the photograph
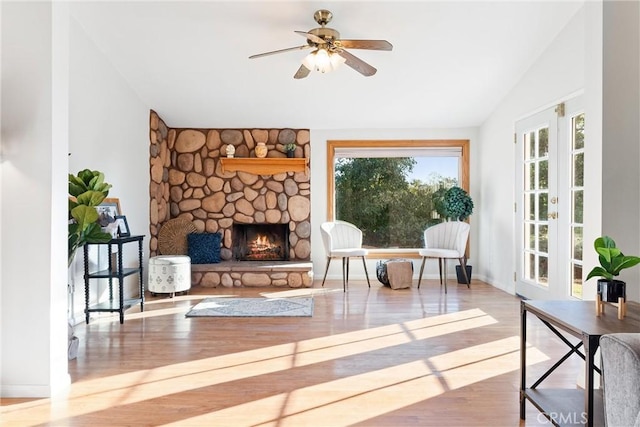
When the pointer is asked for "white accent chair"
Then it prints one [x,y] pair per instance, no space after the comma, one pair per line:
[447,240]
[343,240]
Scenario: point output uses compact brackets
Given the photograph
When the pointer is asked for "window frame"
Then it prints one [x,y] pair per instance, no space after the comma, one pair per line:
[332,145]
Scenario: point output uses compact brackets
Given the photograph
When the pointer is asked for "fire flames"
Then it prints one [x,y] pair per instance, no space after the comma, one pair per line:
[262,248]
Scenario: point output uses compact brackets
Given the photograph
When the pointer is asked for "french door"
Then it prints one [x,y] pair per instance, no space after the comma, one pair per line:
[549,201]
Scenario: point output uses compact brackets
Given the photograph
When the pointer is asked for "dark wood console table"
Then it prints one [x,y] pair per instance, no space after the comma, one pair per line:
[577,318]
[114,272]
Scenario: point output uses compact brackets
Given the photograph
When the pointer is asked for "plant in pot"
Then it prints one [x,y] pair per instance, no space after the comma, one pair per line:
[612,261]
[87,190]
[290,149]
[455,204]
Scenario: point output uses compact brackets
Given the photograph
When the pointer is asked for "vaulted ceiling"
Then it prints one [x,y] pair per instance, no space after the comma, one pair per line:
[452,61]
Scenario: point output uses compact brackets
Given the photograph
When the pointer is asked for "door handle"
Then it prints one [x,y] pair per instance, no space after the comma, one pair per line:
[552,215]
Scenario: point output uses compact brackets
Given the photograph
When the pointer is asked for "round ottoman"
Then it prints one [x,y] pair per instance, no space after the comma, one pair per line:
[169,274]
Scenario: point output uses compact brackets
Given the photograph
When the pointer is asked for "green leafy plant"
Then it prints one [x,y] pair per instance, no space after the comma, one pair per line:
[290,147]
[87,190]
[612,260]
[454,204]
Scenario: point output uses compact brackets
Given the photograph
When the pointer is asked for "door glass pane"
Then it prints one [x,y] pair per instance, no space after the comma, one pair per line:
[531,236]
[577,243]
[542,206]
[543,175]
[529,145]
[530,266]
[578,132]
[543,242]
[543,142]
[577,206]
[578,170]
[531,176]
[543,270]
[576,281]
[530,209]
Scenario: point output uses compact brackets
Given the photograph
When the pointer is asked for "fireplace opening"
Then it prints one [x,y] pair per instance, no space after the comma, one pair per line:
[260,242]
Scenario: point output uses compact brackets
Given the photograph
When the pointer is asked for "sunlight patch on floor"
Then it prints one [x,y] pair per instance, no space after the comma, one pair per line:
[173,379]
[300,292]
[114,318]
[392,388]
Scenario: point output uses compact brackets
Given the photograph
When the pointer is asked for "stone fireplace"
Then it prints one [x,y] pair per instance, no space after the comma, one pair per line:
[192,178]
[260,242]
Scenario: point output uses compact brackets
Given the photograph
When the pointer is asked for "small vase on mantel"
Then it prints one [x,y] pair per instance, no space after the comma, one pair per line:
[261,150]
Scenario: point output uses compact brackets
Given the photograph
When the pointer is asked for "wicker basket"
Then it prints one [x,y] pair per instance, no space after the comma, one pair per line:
[172,238]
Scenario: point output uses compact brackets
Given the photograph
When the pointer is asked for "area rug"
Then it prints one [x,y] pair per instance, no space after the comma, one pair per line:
[253,307]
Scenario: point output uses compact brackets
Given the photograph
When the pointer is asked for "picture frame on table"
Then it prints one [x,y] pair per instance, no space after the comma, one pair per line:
[108,210]
[123,226]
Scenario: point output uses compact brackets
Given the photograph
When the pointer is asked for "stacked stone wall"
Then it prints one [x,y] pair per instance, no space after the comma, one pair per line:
[187,181]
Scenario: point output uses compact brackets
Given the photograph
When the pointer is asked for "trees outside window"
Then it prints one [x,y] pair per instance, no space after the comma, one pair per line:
[390,191]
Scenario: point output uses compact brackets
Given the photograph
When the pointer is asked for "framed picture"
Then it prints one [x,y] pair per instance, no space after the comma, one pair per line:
[107,211]
[123,226]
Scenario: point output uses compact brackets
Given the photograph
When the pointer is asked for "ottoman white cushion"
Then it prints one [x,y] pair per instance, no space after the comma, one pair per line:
[169,273]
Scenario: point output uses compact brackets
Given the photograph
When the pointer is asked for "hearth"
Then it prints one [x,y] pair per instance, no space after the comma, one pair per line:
[260,242]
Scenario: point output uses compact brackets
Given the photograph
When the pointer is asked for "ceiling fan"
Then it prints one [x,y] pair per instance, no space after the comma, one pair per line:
[329,50]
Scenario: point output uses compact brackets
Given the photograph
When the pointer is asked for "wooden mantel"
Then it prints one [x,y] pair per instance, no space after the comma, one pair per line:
[264,166]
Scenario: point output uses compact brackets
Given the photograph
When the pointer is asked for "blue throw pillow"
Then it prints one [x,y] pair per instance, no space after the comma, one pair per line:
[204,248]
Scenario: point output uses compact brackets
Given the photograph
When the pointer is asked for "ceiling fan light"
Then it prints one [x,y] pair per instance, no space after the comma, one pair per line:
[323,61]
[336,60]
[309,61]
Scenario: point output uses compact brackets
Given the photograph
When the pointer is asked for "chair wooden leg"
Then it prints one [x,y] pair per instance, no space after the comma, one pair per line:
[463,265]
[444,261]
[424,258]
[440,269]
[366,273]
[345,273]
[326,270]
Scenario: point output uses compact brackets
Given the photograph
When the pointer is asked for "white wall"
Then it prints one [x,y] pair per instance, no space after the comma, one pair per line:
[621,132]
[557,74]
[109,131]
[33,327]
[319,140]
[59,95]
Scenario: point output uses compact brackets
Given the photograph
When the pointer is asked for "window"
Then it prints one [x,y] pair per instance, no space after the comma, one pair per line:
[389,188]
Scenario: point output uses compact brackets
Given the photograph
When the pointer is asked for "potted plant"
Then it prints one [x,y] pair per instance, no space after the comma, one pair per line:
[86,190]
[455,204]
[612,261]
[290,149]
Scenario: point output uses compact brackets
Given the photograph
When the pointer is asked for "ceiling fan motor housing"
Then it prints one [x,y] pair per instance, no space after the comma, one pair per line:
[327,34]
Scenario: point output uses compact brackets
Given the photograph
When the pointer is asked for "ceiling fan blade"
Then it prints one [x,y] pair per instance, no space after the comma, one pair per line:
[364,44]
[273,52]
[302,72]
[356,63]
[312,37]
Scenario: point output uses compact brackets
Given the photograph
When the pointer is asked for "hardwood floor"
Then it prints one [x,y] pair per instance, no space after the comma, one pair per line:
[368,357]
